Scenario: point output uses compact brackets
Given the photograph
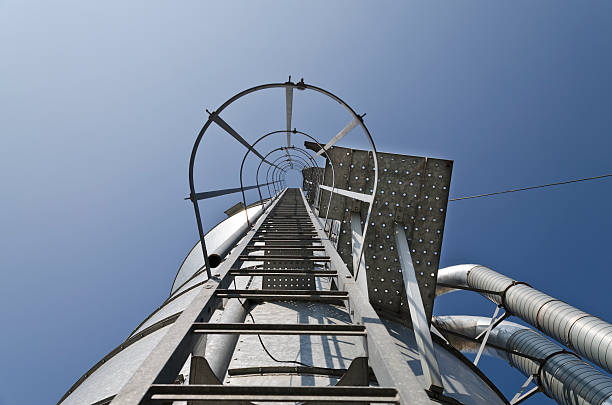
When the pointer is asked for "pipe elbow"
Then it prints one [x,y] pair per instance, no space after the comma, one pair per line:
[453,276]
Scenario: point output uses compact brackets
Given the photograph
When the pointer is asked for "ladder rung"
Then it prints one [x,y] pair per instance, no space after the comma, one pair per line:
[292,228]
[282,272]
[284,295]
[287,258]
[302,240]
[286,236]
[281,247]
[240,371]
[285,233]
[291,231]
[290,217]
[221,393]
[335,293]
[295,244]
[287,223]
[279,329]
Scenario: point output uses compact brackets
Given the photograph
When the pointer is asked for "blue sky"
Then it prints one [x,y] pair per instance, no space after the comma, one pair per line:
[100,103]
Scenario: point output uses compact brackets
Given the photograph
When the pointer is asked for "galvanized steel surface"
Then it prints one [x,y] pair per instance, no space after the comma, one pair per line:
[461,382]
[576,329]
[412,191]
[561,375]
[169,356]
[108,379]
[215,238]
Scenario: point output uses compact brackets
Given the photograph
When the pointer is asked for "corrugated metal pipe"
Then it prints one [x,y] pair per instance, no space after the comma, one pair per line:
[560,374]
[586,334]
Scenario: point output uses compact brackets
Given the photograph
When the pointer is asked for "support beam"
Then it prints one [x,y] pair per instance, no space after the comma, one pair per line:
[339,136]
[357,242]
[519,397]
[431,371]
[216,193]
[495,323]
[350,194]
[289,103]
[219,121]
[487,332]
[383,355]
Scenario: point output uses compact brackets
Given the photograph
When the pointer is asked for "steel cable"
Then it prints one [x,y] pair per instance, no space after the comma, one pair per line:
[531,188]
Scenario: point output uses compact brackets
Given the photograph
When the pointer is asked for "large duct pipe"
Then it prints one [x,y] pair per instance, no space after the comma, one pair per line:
[559,374]
[584,333]
[218,254]
[220,348]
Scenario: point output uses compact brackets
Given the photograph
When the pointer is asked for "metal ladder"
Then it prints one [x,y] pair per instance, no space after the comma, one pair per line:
[293,242]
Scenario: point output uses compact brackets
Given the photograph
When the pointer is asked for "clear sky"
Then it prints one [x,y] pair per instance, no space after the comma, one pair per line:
[100,103]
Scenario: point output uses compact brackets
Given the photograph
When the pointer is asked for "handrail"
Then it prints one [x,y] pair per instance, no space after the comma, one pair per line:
[295,131]
[260,163]
[215,117]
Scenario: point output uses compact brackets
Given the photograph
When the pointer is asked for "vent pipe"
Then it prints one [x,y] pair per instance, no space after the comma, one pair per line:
[561,375]
[586,334]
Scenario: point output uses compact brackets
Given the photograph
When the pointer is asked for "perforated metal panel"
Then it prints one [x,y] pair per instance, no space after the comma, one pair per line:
[412,191]
[289,282]
[312,176]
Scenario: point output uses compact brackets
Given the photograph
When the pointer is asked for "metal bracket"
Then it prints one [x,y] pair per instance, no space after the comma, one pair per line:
[431,371]
[383,355]
[494,322]
[354,122]
[520,397]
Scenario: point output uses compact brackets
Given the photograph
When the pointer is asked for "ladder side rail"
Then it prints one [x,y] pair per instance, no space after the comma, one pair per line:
[383,355]
[170,354]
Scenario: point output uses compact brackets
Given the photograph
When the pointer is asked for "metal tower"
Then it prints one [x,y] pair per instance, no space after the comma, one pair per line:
[324,295]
